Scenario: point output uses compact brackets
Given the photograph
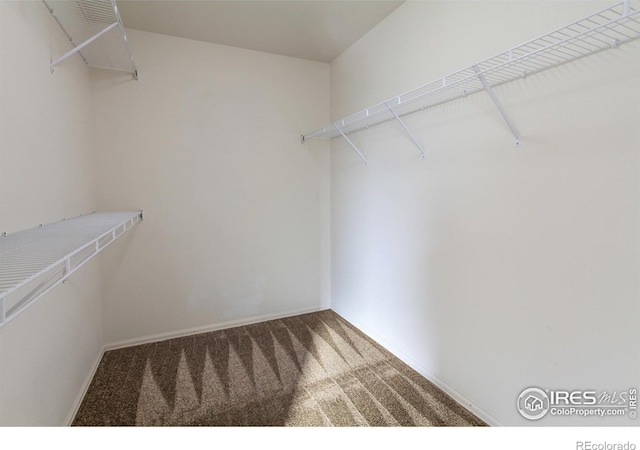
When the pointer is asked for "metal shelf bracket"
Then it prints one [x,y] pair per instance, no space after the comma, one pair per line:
[95,22]
[79,47]
[494,98]
[352,144]
[406,130]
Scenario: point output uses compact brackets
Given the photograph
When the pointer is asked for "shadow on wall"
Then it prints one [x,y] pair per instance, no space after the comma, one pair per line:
[308,370]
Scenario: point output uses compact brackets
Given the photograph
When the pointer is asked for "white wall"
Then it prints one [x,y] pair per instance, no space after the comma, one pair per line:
[207,142]
[492,268]
[46,174]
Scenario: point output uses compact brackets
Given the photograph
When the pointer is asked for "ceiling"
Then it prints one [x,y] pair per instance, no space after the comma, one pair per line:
[311,29]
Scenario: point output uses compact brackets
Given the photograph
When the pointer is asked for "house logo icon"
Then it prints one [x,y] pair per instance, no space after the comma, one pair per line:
[533,403]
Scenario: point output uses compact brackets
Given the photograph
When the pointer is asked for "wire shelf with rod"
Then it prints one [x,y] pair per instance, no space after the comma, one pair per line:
[601,31]
[96,33]
[32,262]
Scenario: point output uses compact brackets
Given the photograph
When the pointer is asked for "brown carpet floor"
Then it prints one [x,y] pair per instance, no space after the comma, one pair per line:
[309,370]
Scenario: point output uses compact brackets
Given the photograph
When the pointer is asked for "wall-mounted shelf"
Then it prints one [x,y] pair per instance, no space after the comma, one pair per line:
[33,261]
[96,33]
[603,30]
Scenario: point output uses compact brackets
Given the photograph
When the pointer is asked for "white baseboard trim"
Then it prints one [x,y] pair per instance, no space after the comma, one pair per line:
[453,393]
[207,328]
[83,390]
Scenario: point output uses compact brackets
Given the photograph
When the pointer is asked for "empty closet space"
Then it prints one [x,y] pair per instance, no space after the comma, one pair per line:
[342,213]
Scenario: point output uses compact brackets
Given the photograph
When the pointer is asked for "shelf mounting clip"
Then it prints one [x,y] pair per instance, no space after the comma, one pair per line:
[352,144]
[494,98]
[406,130]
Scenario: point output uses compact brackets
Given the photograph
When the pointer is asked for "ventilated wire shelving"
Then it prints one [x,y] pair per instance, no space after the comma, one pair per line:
[33,261]
[603,30]
[96,33]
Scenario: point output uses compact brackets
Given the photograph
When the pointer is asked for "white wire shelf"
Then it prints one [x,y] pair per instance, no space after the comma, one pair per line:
[96,33]
[33,261]
[603,30]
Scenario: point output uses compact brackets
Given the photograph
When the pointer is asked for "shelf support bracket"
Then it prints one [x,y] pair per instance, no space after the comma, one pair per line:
[494,98]
[406,130]
[352,144]
[79,47]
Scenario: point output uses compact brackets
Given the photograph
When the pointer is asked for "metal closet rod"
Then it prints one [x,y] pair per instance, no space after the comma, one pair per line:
[605,29]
